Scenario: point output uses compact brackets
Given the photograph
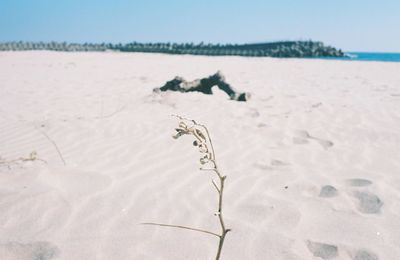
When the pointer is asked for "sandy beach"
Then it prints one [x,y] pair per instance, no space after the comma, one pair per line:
[312,159]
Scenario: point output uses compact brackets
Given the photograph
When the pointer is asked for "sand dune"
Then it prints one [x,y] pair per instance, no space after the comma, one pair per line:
[312,159]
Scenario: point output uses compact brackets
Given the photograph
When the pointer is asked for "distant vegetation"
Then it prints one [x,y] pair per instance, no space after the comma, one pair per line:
[275,49]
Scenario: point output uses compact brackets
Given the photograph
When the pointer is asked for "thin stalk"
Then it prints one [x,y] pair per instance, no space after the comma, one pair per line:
[54,144]
[182,227]
[224,230]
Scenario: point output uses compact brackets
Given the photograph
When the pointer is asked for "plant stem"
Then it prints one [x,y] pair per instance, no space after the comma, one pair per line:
[182,227]
[220,191]
[54,144]
[224,230]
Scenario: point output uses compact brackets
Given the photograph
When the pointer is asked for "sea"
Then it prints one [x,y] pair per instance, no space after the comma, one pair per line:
[370,56]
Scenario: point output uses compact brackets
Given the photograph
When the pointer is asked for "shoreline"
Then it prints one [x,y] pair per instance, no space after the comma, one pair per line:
[377,56]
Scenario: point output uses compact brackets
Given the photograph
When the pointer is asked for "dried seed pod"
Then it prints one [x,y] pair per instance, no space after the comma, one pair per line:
[179,134]
[200,134]
[204,159]
[183,125]
[203,148]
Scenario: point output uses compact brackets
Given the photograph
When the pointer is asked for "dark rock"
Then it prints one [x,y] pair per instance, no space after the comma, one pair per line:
[203,85]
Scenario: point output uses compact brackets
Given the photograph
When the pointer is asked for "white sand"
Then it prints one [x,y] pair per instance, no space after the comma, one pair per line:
[327,130]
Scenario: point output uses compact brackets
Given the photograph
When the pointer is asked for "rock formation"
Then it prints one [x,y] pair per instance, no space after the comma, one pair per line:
[204,85]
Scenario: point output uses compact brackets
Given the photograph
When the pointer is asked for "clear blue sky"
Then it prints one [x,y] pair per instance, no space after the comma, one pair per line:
[352,25]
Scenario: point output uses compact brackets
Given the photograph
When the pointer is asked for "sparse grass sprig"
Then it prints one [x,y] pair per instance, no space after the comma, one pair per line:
[32,157]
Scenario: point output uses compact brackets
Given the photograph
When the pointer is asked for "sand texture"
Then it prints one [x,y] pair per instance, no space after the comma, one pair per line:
[313,159]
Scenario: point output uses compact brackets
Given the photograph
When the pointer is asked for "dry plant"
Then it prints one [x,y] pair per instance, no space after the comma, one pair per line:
[208,162]
[32,157]
[53,143]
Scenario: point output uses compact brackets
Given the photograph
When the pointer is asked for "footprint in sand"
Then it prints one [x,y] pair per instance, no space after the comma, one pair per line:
[273,165]
[324,251]
[317,105]
[303,137]
[287,218]
[359,182]
[368,202]
[143,79]
[36,250]
[275,162]
[328,191]
[252,112]
[324,143]
[363,254]
[262,125]
[298,140]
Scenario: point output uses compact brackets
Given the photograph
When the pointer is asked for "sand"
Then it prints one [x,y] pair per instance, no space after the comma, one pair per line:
[312,159]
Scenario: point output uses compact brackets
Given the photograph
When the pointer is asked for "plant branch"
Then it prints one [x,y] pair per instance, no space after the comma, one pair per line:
[216,187]
[182,227]
[32,157]
[204,169]
[54,144]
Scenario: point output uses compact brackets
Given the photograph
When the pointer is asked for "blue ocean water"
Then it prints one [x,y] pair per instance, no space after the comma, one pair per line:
[372,56]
